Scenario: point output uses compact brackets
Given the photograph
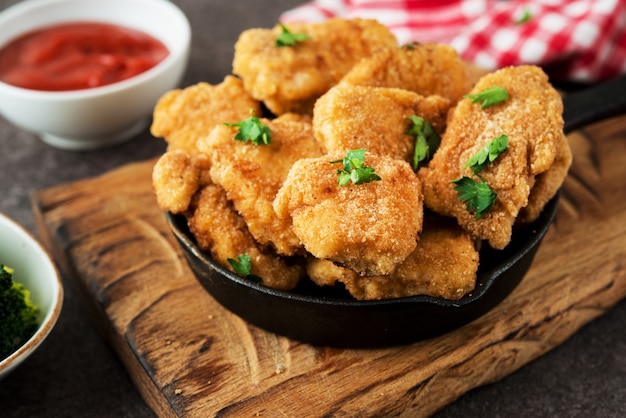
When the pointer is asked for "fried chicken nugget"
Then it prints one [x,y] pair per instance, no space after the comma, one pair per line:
[176,177]
[368,227]
[252,174]
[532,120]
[375,118]
[219,230]
[547,183]
[425,69]
[444,264]
[182,116]
[290,79]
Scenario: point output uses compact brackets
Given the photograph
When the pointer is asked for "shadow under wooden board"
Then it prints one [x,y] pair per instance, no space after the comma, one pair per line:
[190,357]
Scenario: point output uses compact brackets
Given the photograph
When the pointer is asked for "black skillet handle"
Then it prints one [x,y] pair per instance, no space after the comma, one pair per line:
[594,104]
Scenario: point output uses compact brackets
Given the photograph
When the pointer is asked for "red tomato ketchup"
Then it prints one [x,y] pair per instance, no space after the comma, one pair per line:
[77,56]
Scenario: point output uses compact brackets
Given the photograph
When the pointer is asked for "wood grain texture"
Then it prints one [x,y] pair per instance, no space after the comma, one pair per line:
[190,357]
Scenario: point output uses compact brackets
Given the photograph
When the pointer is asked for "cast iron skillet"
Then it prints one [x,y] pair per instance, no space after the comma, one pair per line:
[328,316]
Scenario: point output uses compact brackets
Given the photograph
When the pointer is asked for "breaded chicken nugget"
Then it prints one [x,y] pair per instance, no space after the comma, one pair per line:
[547,183]
[425,69]
[219,230]
[444,264]
[252,174]
[532,120]
[183,116]
[176,177]
[375,118]
[368,227]
[292,78]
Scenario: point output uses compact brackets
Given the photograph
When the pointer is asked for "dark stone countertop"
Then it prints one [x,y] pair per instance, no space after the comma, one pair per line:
[74,373]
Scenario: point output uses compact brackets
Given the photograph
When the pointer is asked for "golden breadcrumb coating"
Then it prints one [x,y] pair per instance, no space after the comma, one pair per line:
[532,120]
[369,227]
[326,273]
[375,118]
[219,230]
[351,86]
[176,177]
[547,184]
[252,174]
[425,69]
[444,264]
[295,117]
[292,78]
[182,116]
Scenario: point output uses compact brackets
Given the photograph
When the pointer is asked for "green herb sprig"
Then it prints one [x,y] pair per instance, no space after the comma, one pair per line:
[426,140]
[354,169]
[524,17]
[489,97]
[488,154]
[477,195]
[253,130]
[411,45]
[242,265]
[288,38]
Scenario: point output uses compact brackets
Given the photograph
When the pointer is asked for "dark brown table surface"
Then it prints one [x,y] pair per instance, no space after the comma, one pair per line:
[74,373]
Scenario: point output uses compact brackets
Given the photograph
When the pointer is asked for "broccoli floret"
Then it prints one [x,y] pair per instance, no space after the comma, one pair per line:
[18,313]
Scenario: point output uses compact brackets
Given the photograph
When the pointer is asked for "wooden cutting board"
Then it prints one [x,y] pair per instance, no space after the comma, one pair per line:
[190,357]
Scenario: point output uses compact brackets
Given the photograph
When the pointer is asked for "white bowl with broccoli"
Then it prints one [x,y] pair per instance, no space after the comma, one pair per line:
[28,264]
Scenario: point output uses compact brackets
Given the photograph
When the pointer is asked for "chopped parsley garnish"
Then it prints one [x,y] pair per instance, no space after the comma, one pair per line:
[411,45]
[354,169]
[426,140]
[242,265]
[288,38]
[477,195]
[524,17]
[252,129]
[489,97]
[488,154]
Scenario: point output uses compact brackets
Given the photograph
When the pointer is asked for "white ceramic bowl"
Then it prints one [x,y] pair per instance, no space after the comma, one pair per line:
[101,116]
[36,270]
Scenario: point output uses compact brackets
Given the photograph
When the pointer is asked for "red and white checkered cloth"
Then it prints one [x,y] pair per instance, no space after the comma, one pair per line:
[580,40]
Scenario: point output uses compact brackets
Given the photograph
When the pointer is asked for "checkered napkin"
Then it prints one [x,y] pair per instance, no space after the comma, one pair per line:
[576,41]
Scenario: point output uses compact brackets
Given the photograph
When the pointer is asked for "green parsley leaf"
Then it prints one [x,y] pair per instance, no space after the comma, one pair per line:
[411,45]
[362,175]
[488,154]
[288,38]
[252,129]
[524,17]
[477,195]
[242,265]
[426,140]
[354,169]
[489,97]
